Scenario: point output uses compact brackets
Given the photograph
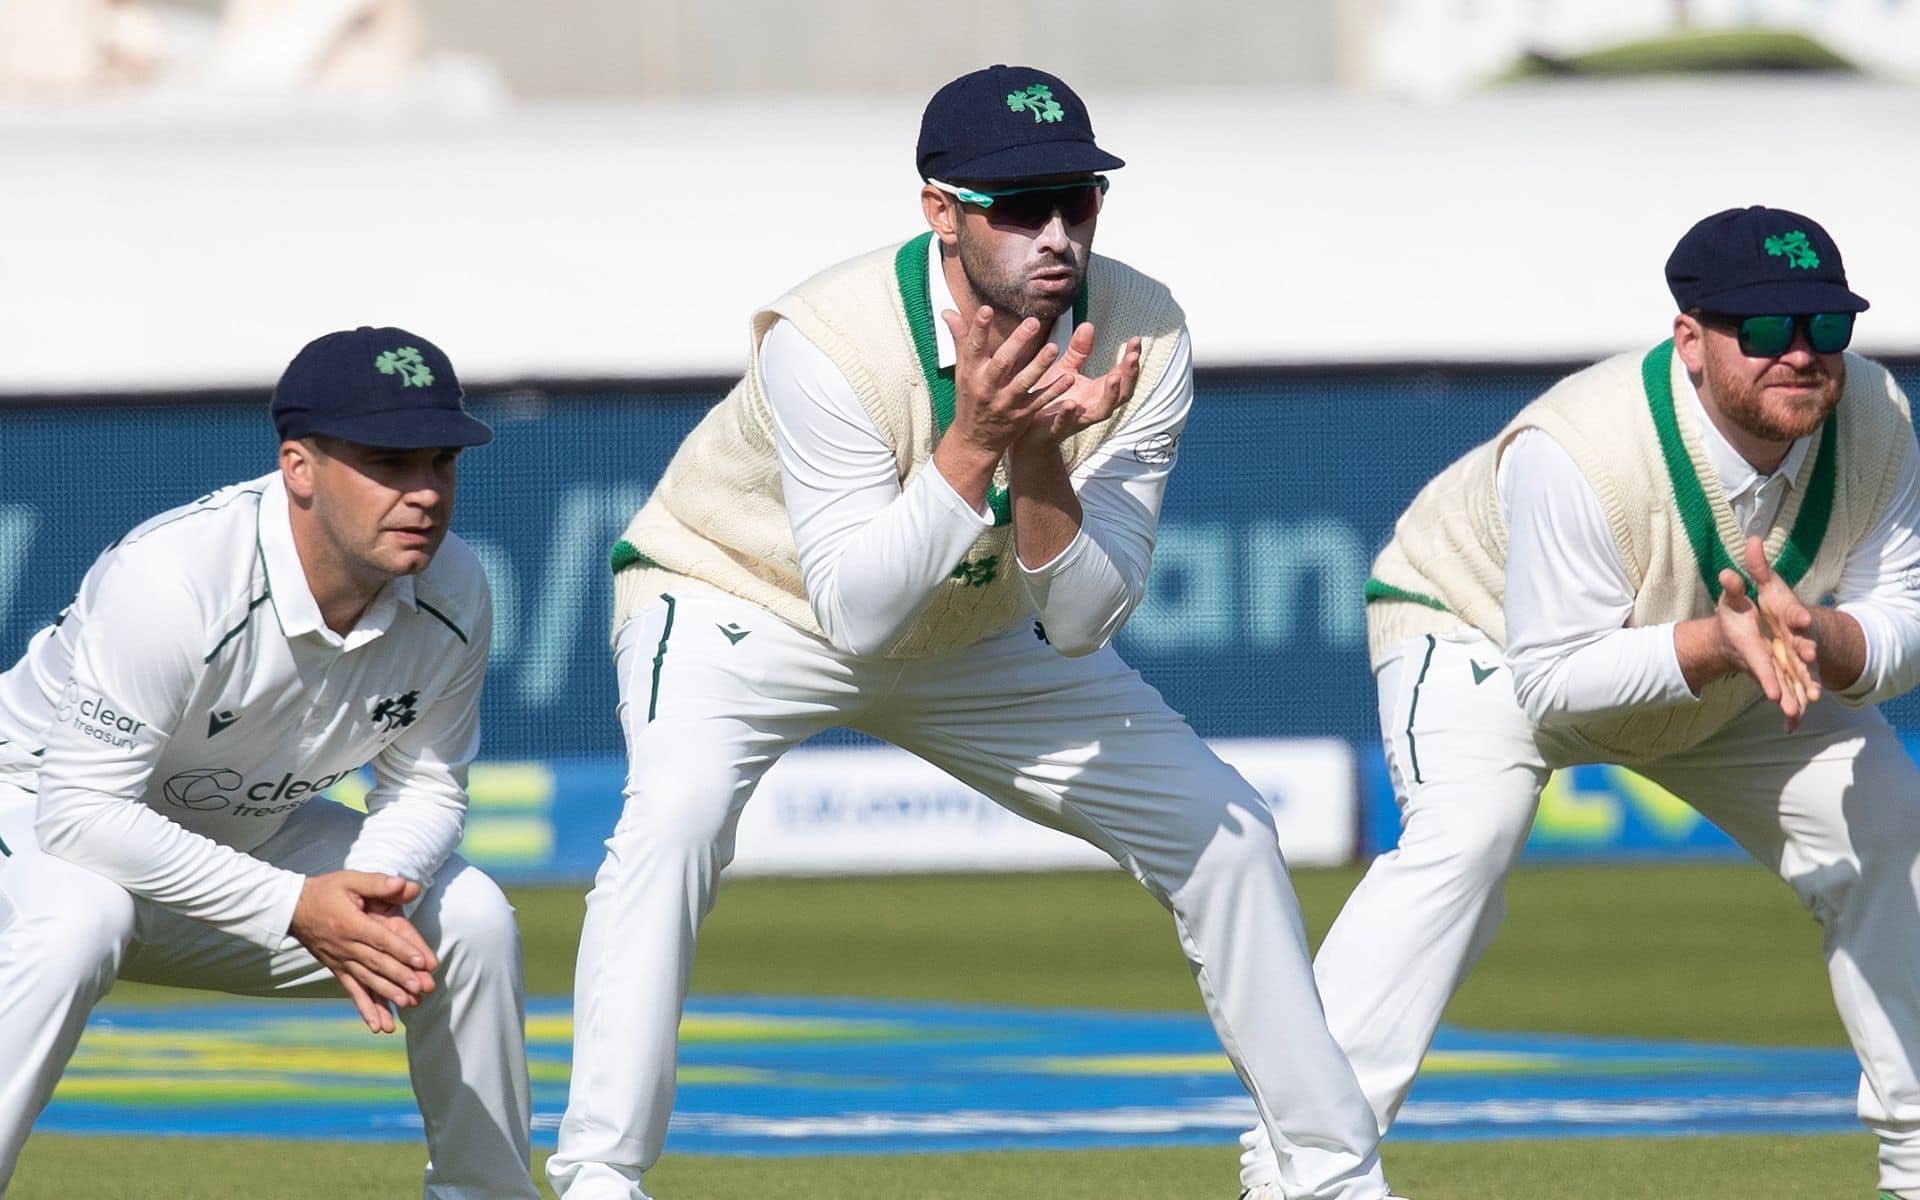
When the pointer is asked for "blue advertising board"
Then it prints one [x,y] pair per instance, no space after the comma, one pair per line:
[1252,626]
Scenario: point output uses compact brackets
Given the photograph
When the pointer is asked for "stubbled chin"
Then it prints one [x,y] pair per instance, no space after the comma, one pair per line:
[1046,308]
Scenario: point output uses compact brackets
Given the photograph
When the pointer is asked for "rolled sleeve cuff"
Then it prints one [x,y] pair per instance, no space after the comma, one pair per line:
[941,492]
[1060,563]
[1664,672]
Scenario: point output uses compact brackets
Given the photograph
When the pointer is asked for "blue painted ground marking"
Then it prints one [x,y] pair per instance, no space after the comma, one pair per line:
[803,1076]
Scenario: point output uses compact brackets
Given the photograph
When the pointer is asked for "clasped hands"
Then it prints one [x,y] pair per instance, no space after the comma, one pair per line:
[1769,635]
[353,922]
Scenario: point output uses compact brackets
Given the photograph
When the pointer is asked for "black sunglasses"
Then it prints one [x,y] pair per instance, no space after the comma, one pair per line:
[1033,207]
[1771,336]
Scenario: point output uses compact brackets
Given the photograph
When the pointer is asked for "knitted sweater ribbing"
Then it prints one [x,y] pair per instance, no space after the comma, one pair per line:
[1445,568]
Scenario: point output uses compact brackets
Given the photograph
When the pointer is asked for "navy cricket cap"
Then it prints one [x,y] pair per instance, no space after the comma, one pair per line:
[1003,124]
[375,387]
[1749,262]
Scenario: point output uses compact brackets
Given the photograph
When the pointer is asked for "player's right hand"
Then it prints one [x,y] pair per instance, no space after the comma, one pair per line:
[1788,625]
[1752,645]
[994,379]
[351,922]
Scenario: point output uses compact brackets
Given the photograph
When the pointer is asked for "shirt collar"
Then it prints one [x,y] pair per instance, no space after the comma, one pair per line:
[293,601]
[940,299]
[1737,475]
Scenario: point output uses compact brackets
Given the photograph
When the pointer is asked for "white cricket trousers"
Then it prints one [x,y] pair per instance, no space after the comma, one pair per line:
[1833,809]
[66,934]
[1079,744]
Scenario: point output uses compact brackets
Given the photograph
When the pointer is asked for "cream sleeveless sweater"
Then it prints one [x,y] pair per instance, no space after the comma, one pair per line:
[1640,451]
[717,515]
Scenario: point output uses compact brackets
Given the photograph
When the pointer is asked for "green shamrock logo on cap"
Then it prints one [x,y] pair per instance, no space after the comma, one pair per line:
[1794,245]
[1037,99]
[407,364]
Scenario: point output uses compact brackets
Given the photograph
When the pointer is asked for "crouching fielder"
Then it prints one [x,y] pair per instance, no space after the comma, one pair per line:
[923,515]
[1665,562]
[163,743]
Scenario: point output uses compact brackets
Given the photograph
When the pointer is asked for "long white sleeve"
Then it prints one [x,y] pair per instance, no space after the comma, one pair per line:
[90,811]
[1568,597]
[1880,588]
[871,552]
[1087,592]
[417,808]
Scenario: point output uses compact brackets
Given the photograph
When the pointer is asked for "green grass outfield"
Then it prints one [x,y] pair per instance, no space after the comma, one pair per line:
[1720,953]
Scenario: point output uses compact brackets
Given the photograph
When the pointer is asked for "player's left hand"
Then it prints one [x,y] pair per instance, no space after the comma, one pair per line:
[1087,400]
[351,921]
[394,917]
[1788,626]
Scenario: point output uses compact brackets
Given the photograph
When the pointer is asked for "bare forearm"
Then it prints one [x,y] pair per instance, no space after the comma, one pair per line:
[1842,646]
[967,467]
[1704,654]
[1046,513]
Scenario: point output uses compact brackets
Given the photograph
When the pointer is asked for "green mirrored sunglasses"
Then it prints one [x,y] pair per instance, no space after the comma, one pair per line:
[1771,336]
[1031,207]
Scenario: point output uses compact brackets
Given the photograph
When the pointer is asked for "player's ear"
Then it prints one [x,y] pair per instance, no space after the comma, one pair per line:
[1689,342]
[942,213]
[297,460]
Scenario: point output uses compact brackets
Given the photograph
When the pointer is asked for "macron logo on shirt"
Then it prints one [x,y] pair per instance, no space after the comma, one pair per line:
[218,722]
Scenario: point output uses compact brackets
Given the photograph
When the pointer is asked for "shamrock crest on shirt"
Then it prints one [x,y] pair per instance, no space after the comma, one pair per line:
[395,712]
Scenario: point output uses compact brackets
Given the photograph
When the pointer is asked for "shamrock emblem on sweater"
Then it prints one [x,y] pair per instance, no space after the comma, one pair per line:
[408,365]
[1796,248]
[978,573]
[1037,99]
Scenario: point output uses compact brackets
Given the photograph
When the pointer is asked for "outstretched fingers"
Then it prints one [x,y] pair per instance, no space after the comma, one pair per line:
[1787,624]
[1125,375]
[1036,369]
[1744,638]
[1115,387]
[1014,356]
[972,336]
[1079,347]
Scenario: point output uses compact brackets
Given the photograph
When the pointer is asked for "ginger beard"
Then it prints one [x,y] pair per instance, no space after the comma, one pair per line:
[1776,399]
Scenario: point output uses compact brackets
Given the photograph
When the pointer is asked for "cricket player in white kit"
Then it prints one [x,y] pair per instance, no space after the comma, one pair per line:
[1666,561]
[162,745]
[923,514]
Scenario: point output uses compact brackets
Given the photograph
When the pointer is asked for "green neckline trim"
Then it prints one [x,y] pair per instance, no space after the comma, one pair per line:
[1710,554]
[1380,589]
[626,554]
[910,271]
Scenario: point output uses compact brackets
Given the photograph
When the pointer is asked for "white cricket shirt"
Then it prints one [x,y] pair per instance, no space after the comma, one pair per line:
[191,698]
[872,552]
[1568,596]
